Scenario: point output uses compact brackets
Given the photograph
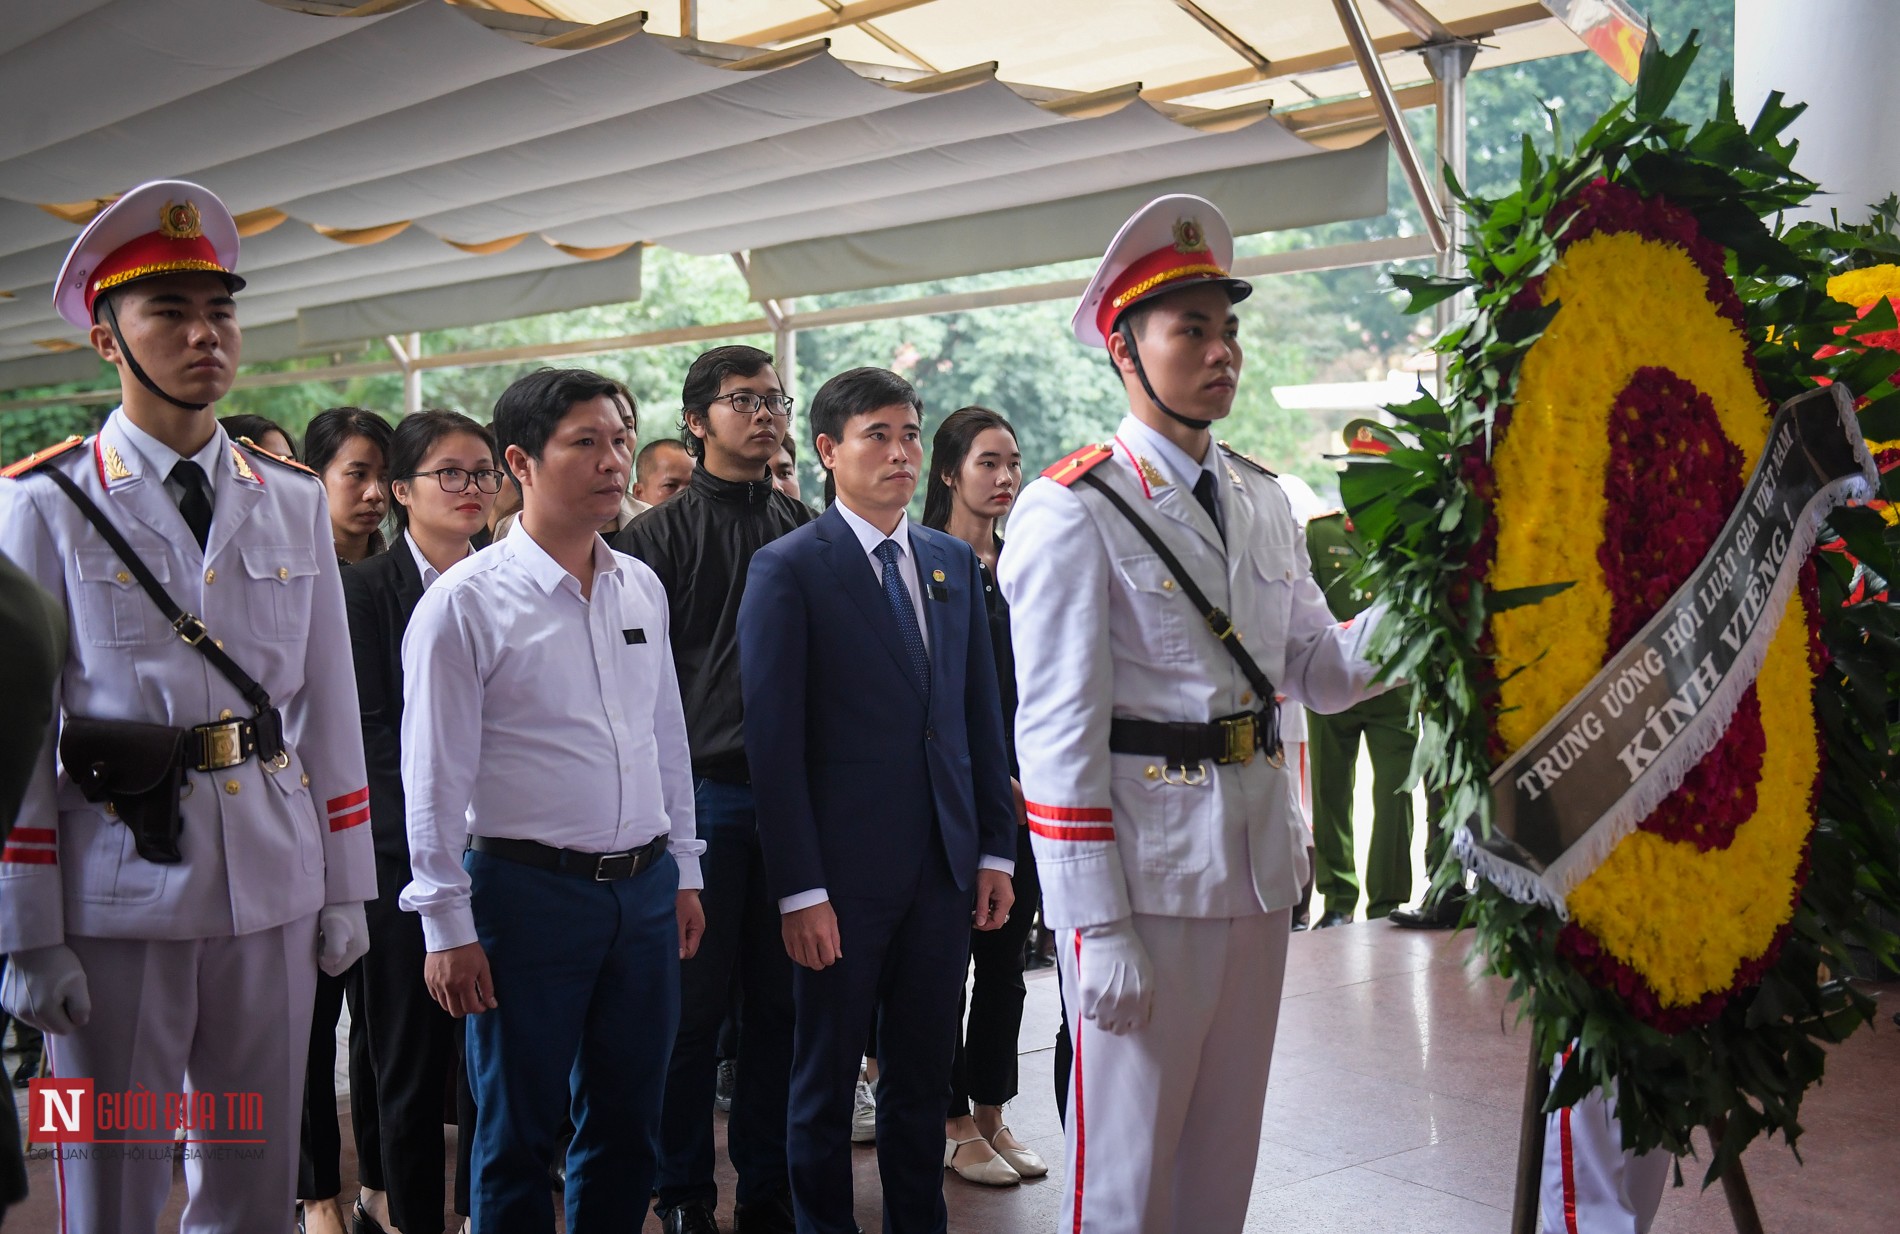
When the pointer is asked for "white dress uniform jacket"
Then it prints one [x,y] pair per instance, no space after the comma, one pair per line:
[263,846]
[1103,630]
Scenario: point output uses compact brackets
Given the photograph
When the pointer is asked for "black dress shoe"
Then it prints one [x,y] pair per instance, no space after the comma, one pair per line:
[1302,923]
[725,1083]
[1442,914]
[773,1216]
[362,1223]
[688,1219]
[1331,918]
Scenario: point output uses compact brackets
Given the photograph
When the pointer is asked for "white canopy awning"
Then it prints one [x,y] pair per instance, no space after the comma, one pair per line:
[427,165]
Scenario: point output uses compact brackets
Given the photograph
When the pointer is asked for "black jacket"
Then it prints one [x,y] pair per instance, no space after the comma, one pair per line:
[380,593]
[700,543]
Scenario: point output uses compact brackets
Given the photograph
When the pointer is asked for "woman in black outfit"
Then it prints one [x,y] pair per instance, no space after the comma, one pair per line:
[348,448]
[444,479]
[975,472]
[262,433]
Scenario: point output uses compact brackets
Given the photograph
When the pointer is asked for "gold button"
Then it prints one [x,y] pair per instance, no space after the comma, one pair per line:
[231,787]
[306,779]
[123,577]
[1152,772]
[1246,696]
[218,643]
[283,572]
[226,713]
[211,576]
[1167,584]
[112,811]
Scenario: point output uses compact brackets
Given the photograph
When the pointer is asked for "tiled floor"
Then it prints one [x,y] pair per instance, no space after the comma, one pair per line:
[1394,1104]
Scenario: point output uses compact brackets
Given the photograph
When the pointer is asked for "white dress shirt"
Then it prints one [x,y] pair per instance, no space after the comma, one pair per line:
[532,713]
[870,537]
[428,572]
[161,458]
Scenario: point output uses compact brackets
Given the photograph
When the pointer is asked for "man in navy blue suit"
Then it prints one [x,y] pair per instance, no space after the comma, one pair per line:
[873,729]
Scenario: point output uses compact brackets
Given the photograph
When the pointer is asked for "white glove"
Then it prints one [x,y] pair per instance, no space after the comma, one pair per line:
[46,987]
[1117,981]
[342,936]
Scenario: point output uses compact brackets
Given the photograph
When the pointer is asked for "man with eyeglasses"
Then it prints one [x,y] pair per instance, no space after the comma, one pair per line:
[700,543]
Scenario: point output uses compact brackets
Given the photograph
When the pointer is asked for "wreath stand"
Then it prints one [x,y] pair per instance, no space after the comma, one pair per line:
[1530,1160]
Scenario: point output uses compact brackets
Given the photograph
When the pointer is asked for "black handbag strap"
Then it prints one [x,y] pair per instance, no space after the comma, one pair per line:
[183,624]
[1217,621]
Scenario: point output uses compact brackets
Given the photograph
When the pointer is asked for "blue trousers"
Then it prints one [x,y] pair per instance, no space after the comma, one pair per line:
[904,958]
[743,938]
[587,985]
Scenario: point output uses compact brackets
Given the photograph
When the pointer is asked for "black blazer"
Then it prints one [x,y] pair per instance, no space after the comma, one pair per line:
[380,593]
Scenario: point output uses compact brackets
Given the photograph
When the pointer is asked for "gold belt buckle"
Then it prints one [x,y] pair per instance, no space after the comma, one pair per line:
[223,745]
[1240,740]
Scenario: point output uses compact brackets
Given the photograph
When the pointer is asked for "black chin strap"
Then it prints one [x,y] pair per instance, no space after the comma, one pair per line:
[1128,336]
[131,362]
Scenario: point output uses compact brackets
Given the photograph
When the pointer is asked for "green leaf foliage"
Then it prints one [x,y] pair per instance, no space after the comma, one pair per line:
[1424,510]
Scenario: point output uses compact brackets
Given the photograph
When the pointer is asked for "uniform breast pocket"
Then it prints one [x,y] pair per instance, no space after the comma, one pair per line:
[280,581]
[1161,612]
[114,610]
[1270,605]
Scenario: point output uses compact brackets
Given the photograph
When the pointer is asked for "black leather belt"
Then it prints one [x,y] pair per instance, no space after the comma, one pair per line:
[1230,739]
[601,867]
[226,743]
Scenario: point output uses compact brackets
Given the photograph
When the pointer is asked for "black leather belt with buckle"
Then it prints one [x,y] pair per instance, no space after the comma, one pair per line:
[1228,740]
[601,867]
[226,743]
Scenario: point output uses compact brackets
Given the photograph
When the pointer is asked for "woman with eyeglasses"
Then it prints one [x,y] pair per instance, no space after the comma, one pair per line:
[444,479]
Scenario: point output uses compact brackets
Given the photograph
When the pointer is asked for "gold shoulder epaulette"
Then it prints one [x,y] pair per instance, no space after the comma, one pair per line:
[1239,457]
[278,459]
[34,460]
[1072,468]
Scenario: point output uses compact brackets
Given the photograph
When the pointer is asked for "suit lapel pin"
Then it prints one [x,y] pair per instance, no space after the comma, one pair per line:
[936,576]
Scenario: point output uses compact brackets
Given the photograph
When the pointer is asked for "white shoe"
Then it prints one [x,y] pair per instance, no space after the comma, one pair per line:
[994,1172]
[864,1114]
[1023,1159]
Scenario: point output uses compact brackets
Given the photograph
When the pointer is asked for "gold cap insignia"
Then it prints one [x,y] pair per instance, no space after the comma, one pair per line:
[179,220]
[936,576]
[1188,236]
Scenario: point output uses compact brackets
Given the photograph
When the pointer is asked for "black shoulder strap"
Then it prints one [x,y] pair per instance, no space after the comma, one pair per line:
[184,624]
[1217,621]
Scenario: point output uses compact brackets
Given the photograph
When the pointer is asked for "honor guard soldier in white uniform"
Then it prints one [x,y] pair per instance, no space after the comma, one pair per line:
[197,848]
[1160,596]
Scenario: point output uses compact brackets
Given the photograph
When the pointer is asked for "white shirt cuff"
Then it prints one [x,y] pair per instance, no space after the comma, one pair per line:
[452,928]
[804,899]
[1004,864]
[690,877]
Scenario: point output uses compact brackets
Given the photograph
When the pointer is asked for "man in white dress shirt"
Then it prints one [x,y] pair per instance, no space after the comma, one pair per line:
[551,822]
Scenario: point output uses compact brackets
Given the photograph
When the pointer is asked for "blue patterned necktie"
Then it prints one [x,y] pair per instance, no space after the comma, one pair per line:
[898,597]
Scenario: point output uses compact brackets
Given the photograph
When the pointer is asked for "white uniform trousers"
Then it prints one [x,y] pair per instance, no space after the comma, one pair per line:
[1589,1184]
[208,1015]
[1164,1123]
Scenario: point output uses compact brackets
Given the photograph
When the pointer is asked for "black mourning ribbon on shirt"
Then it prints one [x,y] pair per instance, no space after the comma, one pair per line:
[195,504]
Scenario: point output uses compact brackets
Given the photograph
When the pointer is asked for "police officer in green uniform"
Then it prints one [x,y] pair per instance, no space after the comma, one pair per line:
[1385,723]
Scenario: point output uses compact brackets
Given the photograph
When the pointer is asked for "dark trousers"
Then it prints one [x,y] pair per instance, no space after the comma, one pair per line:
[983,1069]
[742,941]
[587,990]
[904,955]
[409,1059]
[1389,729]
[319,1156]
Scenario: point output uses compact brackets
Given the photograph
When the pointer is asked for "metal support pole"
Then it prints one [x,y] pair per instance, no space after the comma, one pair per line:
[785,348]
[1530,1144]
[407,350]
[1449,64]
[1354,24]
[689,19]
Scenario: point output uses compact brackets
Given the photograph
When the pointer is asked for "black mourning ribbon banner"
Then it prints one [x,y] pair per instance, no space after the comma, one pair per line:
[1613,753]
